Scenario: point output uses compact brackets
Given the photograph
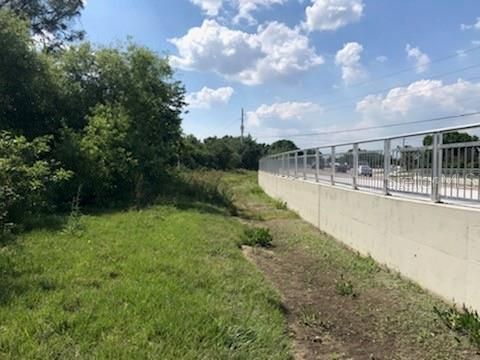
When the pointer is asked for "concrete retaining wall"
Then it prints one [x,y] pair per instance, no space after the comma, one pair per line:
[436,245]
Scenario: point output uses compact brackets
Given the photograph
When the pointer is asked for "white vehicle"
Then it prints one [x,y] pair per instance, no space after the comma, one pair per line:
[365,170]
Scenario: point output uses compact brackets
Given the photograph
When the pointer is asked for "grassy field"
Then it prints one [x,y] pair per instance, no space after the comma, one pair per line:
[167,282]
[171,282]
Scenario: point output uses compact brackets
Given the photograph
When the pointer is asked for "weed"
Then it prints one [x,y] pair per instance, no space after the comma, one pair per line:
[257,237]
[465,322]
[345,288]
[280,205]
[75,224]
[309,318]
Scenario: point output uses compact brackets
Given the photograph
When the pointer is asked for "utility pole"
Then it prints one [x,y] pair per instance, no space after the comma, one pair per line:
[242,126]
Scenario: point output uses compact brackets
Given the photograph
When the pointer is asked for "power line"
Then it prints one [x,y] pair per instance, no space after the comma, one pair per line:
[384,126]
[439,76]
[434,61]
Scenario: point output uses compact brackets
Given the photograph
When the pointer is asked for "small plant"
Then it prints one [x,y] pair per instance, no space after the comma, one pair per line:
[257,237]
[74,224]
[309,318]
[280,205]
[345,288]
[465,322]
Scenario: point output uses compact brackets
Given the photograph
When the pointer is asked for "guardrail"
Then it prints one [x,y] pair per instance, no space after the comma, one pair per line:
[439,164]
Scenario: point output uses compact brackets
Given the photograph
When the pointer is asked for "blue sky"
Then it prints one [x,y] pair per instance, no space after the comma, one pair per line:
[307,66]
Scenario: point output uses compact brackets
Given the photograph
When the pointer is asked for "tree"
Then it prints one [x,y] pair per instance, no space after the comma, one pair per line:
[28,88]
[451,138]
[462,157]
[108,157]
[50,20]
[139,82]
[281,146]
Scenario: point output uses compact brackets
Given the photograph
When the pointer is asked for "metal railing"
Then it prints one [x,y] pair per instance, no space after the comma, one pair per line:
[439,164]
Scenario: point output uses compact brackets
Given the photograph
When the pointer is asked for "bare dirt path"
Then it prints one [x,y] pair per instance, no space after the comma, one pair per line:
[339,305]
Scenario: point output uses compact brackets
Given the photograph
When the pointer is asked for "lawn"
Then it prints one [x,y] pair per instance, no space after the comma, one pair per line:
[166,282]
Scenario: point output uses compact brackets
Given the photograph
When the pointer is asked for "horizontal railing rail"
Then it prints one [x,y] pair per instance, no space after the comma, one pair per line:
[439,164]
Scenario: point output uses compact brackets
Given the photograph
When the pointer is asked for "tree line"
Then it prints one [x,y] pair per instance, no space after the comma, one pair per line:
[103,123]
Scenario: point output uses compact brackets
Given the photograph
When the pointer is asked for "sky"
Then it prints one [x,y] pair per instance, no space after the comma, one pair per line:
[308,66]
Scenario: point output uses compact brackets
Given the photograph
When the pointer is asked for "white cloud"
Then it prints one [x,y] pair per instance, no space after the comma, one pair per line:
[381,58]
[211,7]
[247,7]
[331,15]
[274,51]
[422,61]
[476,25]
[278,112]
[349,59]
[243,8]
[476,42]
[420,99]
[205,98]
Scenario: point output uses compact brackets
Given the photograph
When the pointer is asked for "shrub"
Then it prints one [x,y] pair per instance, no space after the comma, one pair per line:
[26,177]
[257,237]
[109,165]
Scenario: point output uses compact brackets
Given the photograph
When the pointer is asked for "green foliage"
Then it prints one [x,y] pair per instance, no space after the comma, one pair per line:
[28,91]
[451,138]
[49,20]
[75,225]
[221,153]
[112,115]
[279,204]
[110,165]
[345,288]
[464,322]
[130,94]
[281,146]
[257,237]
[27,175]
[201,186]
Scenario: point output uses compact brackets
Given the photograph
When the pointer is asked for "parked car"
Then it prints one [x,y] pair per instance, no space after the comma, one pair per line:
[341,168]
[365,170]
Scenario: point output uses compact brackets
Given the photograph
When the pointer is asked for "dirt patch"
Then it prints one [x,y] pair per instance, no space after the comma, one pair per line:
[325,324]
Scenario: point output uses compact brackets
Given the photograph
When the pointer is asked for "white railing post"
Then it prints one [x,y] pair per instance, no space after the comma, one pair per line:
[317,165]
[333,158]
[305,165]
[288,165]
[355,167]
[436,166]
[386,166]
[296,164]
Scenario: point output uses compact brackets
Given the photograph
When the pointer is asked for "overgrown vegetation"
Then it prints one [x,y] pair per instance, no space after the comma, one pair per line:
[103,119]
[465,322]
[257,237]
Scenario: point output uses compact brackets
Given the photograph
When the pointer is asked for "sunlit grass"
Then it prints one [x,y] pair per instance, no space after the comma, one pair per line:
[160,283]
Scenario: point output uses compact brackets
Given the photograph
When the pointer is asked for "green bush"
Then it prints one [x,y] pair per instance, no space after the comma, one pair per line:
[27,175]
[257,237]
